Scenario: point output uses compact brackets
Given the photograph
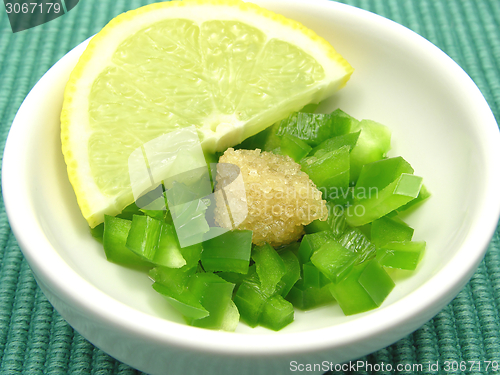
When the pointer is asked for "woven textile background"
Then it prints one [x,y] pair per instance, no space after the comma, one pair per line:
[34,339]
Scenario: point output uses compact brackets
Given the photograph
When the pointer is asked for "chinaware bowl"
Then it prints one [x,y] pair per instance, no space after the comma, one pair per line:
[440,123]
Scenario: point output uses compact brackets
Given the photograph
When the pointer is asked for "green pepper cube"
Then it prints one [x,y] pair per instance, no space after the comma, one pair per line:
[403,254]
[115,235]
[312,276]
[277,313]
[175,279]
[310,243]
[377,175]
[394,195]
[377,283]
[314,128]
[229,252]
[214,294]
[250,300]
[144,236]
[188,208]
[317,226]
[292,274]
[343,123]
[157,208]
[335,224]
[231,317]
[265,140]
[335,143]
[168,253]
[171,254]
[373,143]
[129,212]
[356,241]
[333,260]
[98,232]
[388,229]
[307,298]
[329,171]
[155,214]
[423,195]
[309,108]
[294,147]
[184,302]
[336,219]
[235,277]
[363,289]
[270,267]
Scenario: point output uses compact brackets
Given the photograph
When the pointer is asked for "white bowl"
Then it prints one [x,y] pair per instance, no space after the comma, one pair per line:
[441,124]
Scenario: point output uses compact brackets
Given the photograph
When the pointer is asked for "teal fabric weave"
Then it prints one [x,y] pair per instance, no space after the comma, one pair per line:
[34,339]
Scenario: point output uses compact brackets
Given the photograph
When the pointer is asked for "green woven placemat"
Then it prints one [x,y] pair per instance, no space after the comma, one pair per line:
[34,339]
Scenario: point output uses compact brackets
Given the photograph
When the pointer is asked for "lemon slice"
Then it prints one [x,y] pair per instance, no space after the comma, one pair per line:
[226,67]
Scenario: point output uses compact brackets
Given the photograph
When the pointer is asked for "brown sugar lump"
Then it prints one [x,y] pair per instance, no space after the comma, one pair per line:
[265,193]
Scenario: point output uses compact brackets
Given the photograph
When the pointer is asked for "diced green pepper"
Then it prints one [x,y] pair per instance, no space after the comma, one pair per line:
[335,143]
[375,280]
[214,294]
[336,219]
[229,252]
[333,260]
[356,241]
[270,267]
[330,171]
[175,279]
[335,223]
[250,300]
[266,140]
[403,255]
[317,226]
[396,194]
[98,232]
[292,246]
[422,196]
[155,214]
[309,108]
[387,229]
[292,274]
[129,211]
[235,277]
[188,212]
[185,303]
[307,298]
[230,318]
[172,283]
[379,174]
[157,242]
[294,147]
[143,236]
[373,143]
[114,242]
[366,230]
[168,252]
[315,128]
[363,289]
[312,277]
[312,242]
[158,208]
[277,313]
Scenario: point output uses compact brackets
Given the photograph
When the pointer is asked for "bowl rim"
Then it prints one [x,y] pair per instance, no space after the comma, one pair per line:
[43,259]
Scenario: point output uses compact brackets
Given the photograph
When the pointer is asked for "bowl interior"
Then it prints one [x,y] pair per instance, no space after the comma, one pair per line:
[436,115]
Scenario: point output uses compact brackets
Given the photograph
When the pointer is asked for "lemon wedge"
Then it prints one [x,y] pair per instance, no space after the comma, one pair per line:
[225,67]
